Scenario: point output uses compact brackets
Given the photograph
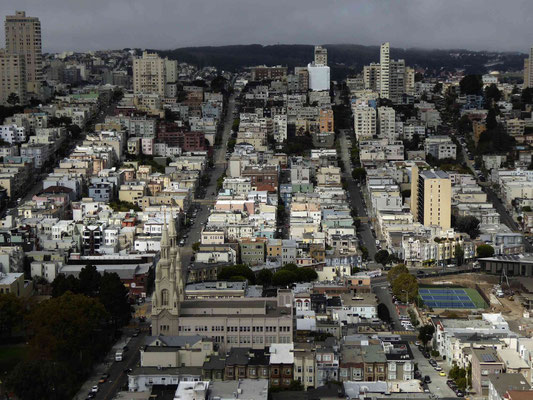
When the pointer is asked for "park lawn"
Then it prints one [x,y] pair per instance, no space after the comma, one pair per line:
[10,355]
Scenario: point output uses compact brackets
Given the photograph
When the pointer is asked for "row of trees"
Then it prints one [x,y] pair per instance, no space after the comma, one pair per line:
[287,275]
[67,334]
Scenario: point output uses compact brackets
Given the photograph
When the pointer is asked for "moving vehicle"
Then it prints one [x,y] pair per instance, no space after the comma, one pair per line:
[442,373]
[118,355]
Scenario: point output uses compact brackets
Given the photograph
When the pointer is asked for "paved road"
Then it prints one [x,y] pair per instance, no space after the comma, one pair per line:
[116,369]
[380,286]
[219,168]
[438,384]
[356,197]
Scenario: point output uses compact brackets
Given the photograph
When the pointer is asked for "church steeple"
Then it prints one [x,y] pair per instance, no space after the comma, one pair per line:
[180,287]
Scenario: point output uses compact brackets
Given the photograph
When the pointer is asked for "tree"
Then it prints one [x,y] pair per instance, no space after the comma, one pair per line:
[468,225]
[526,209]
[425,334]
[13,99]
[89,281]
[492,93]
[383,312]
[527,96]
[306,274]
[359,174]
[284,277]
[63,284]
[11,313]
[437,88]
[114,296]
[485,250]
[264,277]
[227,273]
[195,246]
[459,254]
[405,287]
[471,84]
[364,253]
[42,379]
[396,271]
[382,257]
[70,329]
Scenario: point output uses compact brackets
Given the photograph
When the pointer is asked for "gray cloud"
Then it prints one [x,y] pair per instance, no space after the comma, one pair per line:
[164,24]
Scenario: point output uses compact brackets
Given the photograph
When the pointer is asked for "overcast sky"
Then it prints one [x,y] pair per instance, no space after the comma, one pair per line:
[166,24]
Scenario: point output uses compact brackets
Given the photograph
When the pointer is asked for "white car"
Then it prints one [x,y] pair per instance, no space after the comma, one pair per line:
[94,389]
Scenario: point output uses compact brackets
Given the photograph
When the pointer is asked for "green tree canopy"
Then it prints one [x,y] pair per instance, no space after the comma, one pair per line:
[62,284]
[396,271]
[405,287]
[471,84]
[485,250]
[492,93]
[359,174]
[459,254]
[68,328]
[236,270]
[42,379]
[382,257]
[114,296]
[12,309]
[264,277]
[425,334]
[467,224]
[89,280]
[284,277]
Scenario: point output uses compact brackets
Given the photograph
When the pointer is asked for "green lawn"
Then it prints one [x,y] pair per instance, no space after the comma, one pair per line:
[10,355]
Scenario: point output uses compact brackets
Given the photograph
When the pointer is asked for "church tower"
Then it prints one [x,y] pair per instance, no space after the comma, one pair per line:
[168,292]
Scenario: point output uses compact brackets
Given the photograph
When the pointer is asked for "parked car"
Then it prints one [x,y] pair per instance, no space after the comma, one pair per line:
[459,393]
[427,379]
[442,373]
[94,389]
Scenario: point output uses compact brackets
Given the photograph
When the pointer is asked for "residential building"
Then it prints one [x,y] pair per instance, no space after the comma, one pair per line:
[431,193]
[23,37]
[501,384]
[384,71]
[485,362]
[528,70]
[149,74]
[12,78]
[321,55]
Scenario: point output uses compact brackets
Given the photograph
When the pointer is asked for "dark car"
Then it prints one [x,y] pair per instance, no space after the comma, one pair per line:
[427,379]
[459,393]
[420,273]
[125,348]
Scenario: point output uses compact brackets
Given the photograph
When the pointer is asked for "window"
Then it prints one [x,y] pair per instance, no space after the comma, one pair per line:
[164,297]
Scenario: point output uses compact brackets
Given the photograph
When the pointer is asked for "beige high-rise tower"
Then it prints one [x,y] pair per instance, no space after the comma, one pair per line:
[528,70]
[384,71]
[12,78]
[23,37]
[321,55]
[149,74]
[431,197]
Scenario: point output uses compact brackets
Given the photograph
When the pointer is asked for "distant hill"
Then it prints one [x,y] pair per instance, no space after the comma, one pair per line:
[344,59]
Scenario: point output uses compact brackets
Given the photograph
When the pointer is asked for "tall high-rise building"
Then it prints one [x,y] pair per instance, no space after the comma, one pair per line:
[23,37]
[371,75]
[390,78]
[528,70]
[321,55]
[12,78]
[149,74]
[384,71]
[431,197]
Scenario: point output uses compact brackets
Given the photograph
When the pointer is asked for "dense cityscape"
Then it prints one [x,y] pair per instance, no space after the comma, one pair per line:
[172,230]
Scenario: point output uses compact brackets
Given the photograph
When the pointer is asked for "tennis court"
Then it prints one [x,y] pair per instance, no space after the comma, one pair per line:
[444,297]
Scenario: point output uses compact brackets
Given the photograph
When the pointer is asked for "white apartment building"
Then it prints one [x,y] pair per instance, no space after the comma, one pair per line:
[387,123]
[365,121]
[12,134]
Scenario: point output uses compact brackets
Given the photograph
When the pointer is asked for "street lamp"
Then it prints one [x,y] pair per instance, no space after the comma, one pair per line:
[407,297]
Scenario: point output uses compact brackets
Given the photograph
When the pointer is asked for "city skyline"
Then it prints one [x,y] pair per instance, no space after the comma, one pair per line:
[118,24]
